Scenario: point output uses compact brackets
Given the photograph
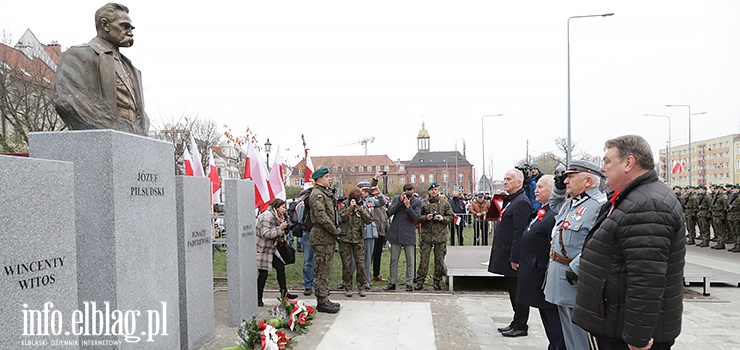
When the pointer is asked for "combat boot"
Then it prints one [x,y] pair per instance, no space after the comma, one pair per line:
[327,307]
[736,249]
[703,244]
[720,245]
[436,286]
[690,241]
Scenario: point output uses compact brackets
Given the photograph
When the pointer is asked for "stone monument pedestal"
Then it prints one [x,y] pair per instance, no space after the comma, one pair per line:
[241,250]
[39,270]
[126,235]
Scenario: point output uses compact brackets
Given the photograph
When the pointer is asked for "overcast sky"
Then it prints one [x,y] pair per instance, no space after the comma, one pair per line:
[340,71]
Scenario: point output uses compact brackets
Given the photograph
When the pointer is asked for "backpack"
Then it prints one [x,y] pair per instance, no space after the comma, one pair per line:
[294,221]
[306,224]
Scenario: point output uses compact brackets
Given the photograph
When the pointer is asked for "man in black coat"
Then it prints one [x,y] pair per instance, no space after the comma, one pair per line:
[458,207]
[630,281]
[507,247]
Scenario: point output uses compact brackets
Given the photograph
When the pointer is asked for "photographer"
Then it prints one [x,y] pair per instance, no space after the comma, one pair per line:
[405,209]
[354,217]
[436,214]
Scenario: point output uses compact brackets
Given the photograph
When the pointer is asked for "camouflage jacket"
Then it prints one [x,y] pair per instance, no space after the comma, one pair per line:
[733,213]
[691,204]
[718,209]
[353,224]
[435,231]
[323,209]
[705,205]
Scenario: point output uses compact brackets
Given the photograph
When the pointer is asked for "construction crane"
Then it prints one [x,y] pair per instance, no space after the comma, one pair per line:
[363,141]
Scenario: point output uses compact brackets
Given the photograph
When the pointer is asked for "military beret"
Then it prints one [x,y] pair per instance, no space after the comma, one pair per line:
[583,166]
[701,187]
[690,187]
[319,172]
[363,184]
[432,185]
[677,187]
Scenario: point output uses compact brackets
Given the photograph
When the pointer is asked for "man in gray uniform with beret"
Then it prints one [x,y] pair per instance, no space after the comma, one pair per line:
[577,199]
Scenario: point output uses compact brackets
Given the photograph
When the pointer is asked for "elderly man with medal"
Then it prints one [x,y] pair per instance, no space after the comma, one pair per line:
[576,199]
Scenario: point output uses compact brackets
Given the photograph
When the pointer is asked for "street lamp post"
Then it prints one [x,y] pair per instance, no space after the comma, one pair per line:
[457,176]
[268,146]
[483,147]
[691,166]
[667,153]
[569,150]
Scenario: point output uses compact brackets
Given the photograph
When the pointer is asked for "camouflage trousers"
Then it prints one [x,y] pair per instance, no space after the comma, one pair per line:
[720,229]
[347,251]
[734,227]
[440,250]
[691,227]
[704,228]
[324,255]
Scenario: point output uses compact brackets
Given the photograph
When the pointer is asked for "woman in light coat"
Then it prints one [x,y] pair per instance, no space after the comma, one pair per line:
[270,230]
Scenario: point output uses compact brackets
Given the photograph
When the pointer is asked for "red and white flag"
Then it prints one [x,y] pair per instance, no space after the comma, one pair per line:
[215,180]
[457,220]
[197,163]
[678,167]
[276,177]
[187,161]
[256,170]
[309,170]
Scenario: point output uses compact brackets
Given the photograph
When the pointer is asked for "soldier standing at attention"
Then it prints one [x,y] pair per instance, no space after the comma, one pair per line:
[354,218]
[436,215]
[703,216]
[719,217]
[733,217]
[323,237]
[690,204]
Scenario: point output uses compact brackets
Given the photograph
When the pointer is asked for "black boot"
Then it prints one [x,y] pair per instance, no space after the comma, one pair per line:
[720,245]
[703,244]
[736,249]
[285,294]
[690,241]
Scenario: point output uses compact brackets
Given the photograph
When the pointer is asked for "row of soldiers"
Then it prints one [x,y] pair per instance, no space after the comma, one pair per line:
[715,209]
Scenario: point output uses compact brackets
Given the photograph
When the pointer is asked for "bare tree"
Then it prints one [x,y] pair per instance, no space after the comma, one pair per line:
[25,99]
[204,130]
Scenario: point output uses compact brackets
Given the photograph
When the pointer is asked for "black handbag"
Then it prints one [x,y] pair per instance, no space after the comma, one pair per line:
[286,252]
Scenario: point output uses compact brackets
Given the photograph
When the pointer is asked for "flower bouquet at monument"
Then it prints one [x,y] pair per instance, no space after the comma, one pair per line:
[259,335]
[294,314]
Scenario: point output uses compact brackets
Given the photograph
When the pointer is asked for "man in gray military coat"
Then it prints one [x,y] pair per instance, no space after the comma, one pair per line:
[577,199]
[95,86]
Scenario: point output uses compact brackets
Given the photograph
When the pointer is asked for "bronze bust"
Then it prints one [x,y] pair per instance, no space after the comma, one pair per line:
[96,87]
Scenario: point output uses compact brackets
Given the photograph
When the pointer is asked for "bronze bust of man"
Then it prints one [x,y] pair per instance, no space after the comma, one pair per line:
[96,87]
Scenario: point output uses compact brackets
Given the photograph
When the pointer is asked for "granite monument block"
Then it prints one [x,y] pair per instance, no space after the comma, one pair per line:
[241,250]
[126,235]
[38,287]
[195,260]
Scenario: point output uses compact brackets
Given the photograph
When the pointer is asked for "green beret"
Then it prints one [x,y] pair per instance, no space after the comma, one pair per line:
[702,187]
[689,187]
[432,185]
[319,172]
[677,187]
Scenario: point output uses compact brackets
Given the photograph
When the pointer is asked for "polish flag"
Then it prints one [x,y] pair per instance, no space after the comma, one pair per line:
[678,167]
[256,170]
[197,163]
[457,220]
[276,177]
[309,170]
[215,181]
[187,161]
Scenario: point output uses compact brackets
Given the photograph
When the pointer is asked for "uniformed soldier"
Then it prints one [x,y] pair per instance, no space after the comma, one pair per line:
[577,214]
[680,194]
[733,217]
[323,237]
[436,215]
[719,217]
[703,216]
[354,217]
[691,201]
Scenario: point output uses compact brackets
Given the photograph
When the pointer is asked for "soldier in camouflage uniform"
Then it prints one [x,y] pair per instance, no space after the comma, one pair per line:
[719,217]
[733,217]
[691,201]
[323,237]
[354,217]
[703,215]
[436,215]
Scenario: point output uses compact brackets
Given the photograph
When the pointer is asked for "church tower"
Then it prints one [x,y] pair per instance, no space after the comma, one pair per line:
[422,141]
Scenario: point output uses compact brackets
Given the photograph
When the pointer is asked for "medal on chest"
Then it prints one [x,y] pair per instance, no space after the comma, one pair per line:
[579,213]
[565,225]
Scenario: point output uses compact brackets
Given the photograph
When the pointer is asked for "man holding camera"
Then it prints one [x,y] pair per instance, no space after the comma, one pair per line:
[436,214]
[576,199]
[405,209]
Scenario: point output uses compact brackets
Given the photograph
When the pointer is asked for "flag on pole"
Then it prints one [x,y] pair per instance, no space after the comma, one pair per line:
[256,170]
[276,177]
[187,161]
[309,170]
[215,181]
[197,163]
[678,167]
[457,220]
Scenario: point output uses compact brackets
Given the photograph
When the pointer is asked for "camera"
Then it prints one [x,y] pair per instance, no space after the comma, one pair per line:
[525,169]
[384,173]
[408,195]
[359,202]
[434,215]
